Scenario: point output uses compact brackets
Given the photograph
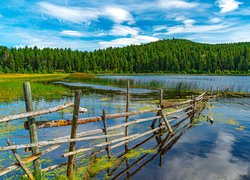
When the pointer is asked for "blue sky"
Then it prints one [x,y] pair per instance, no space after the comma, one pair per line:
[94,24]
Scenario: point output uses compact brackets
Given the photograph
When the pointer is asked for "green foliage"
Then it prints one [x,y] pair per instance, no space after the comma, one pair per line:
[165,56]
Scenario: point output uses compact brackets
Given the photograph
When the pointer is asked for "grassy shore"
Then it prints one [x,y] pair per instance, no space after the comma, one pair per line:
[11,86]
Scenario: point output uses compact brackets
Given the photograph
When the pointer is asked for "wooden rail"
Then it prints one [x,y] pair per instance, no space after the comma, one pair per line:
[186,108]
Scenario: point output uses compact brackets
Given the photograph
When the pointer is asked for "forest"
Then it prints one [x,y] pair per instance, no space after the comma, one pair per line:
[164,56]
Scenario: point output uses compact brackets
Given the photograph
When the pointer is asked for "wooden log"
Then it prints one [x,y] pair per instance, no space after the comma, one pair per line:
[27,160]
[59,141]
[59,123]
[50,168]
[95,146]
[36,113]
[106,132]
[66,139]
[18,158]
[166,122]
[32,129]
[70,168]
[96,131]
[130,138]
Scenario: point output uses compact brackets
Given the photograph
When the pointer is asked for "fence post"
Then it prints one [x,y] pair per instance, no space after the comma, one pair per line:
[32,129]
[127,109]
[161,97]
[193,108]
[104,119]
[70,168]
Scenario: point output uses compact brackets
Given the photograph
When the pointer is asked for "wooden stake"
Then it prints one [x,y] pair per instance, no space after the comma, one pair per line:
[166,121]
[18,158]
[161,97]
[127,110]
[106,132]
[70,169]
[32,129]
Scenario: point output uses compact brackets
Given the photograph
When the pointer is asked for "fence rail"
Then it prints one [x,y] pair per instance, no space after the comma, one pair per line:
[188,109]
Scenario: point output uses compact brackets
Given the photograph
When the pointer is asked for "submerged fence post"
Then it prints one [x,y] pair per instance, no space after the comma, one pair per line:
[32,129]
[70,168]
[104,119]
[127,109]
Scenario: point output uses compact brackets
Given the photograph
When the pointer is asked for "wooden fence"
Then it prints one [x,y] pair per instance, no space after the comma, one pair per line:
[162,116]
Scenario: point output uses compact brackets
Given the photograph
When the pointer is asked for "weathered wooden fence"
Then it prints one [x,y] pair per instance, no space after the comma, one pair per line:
[188,109]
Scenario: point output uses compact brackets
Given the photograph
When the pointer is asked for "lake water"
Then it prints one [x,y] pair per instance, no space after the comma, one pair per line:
[201,151]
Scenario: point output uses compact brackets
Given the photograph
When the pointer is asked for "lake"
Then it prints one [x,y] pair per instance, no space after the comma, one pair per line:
[200,151]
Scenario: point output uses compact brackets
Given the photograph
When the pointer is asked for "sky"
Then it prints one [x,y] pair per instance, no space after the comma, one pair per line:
[97,24]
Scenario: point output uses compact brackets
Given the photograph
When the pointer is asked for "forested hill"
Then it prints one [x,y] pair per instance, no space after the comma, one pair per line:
[169,56]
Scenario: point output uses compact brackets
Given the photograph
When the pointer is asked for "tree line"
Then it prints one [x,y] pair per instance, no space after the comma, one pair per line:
[164,56]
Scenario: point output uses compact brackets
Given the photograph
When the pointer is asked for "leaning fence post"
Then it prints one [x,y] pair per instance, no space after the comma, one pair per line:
[166,121]
[127,109]
[104,119]
[70,168]
[193,108]
[158,113]
[32,128]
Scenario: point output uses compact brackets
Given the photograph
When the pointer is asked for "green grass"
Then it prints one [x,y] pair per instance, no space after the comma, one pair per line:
[11,86]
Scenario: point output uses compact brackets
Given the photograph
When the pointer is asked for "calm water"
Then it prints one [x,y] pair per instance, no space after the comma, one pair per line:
[188,82]
[202,151]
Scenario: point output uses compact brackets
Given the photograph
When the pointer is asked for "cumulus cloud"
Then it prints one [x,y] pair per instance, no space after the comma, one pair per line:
[80,15]
[135,40]
[178,4]
[228,5]
[215,20]
[117,14]
[195,29]
[218,163]
[120,30]
[72,14]
[72,33]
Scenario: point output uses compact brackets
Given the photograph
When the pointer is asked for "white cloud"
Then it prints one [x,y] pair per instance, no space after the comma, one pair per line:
[219,163]
[215,20]
[72,14]
[195,29]
[72,33]
[189,22]
[136,40]
[159,28]
[178,4]
[117,14]
[228,5]
[120,30]
[80,15]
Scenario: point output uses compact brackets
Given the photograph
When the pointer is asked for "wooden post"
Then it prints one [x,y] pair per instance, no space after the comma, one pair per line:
[158,113]
[70,168]
[127,109]
[193,107]
[18,158]
[32,129]
[166,122]
[161,97]
[106,132]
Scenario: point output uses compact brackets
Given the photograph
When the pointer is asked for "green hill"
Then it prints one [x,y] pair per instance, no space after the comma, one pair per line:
[164,56]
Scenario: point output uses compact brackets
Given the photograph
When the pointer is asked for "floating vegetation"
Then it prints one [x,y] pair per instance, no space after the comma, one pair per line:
[105,99]
[241,128]
[135,153]
[8,128]
[232,122]
[144,108]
